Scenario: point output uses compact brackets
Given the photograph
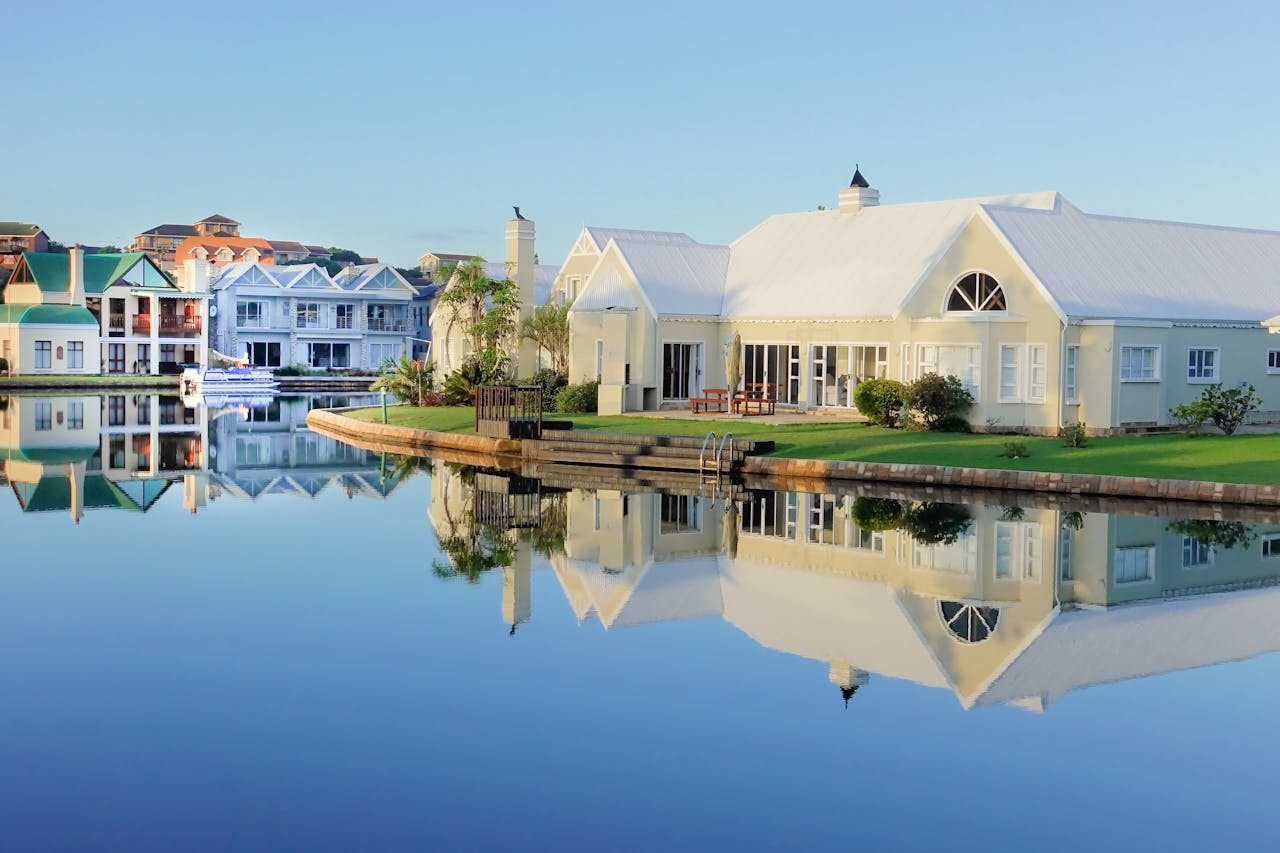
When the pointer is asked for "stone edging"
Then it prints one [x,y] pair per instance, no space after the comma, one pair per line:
[1034,481]
[331,422]
[409,438]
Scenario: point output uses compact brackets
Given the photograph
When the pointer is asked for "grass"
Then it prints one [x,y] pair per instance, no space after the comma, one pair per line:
[1234,459]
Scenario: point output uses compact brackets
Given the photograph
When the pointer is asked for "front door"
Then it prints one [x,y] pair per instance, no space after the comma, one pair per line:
[681,371]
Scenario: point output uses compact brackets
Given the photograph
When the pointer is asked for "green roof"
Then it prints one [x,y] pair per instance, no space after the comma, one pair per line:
[51,270]
[50,455]
[18,229]
[53,493]
[57,315]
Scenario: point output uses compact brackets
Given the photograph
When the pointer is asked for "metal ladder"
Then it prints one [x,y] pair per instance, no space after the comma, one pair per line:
[712,470]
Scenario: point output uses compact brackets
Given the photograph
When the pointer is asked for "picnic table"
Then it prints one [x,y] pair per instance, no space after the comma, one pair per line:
[712,399]
[756,398]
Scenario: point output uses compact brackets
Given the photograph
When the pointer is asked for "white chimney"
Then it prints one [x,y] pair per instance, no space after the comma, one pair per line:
[520,263]
[195,275]
[75,275]
[858,194]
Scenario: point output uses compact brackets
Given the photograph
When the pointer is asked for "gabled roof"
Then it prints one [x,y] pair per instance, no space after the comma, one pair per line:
[48,315]
[51,271]
[318,250]
[833,264]
[288,246]
[601,236]
[677,277]
[446,257]
[18,229]
[1119,268]
[218,219]
[371,277]
[238,245]
[244,272]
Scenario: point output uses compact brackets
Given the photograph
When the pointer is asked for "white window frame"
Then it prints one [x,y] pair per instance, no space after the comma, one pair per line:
[1141,377]
[1071,375]
[1066,546]
[1270,546]
[1011,392]
[1037,374]
[76,349]
[1148,550]
[43,355]
[1194,547]
[599,359]
[973,363]
[1273,362]
[1203,379]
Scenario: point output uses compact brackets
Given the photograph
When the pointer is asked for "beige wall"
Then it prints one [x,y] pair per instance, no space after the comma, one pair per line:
[18,344]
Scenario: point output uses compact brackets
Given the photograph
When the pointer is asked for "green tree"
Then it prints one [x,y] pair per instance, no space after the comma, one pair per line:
[548,327]
[484,308]
[343,256]
[110,250]
[409,381]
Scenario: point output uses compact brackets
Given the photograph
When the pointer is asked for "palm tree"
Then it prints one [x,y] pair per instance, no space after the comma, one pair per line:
[548,327]
[409,382]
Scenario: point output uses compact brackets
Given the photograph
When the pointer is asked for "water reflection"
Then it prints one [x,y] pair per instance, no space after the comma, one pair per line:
[78,453]
[1016,603]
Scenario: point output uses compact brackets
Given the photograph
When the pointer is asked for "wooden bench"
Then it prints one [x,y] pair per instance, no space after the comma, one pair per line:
[711,397]
[756,398]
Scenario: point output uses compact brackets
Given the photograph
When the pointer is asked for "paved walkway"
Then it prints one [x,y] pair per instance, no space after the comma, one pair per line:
[779,419]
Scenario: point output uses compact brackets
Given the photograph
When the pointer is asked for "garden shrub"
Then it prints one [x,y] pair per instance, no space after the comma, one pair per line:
[1074,434]
[881,401]
[550,381]
[578,399]
[1015,450]
[483,368]
[941,402]
[1229,407]
[1191,417]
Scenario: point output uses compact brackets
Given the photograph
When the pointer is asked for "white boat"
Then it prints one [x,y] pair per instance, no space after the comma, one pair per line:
[229,381]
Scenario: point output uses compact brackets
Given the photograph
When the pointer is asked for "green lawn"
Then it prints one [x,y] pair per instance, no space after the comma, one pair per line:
[1238,459]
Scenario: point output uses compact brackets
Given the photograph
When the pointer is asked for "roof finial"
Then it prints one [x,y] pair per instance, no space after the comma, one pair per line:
[858,180]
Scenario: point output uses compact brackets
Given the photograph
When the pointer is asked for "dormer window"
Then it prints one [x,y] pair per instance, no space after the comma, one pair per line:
[977,291]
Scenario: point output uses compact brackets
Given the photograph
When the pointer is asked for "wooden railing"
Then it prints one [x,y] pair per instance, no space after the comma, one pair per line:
[509,411]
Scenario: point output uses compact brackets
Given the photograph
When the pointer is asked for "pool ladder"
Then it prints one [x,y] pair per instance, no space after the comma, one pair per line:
[710,469]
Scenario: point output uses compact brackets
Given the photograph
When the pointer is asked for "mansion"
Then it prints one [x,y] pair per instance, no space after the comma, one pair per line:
[1046,313]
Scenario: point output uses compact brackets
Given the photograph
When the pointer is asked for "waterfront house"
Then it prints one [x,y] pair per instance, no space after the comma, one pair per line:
[997,604]
[19,237]
[299,314]
[72,313]
[1046,313]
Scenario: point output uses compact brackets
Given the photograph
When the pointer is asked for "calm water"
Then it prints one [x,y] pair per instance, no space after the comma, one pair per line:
[221,631]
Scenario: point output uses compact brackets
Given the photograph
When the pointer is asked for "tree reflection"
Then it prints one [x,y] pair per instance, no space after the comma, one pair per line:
[927,522]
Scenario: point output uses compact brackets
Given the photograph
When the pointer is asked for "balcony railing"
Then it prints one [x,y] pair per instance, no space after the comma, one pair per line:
[142,324]
[345,323]
[115,323]
[376,325]
[179,325]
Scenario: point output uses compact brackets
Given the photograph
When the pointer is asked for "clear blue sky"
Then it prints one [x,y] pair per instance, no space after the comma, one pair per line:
[394,128]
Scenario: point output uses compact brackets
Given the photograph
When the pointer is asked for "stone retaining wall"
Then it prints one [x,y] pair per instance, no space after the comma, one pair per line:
[408,438]
[1038,481]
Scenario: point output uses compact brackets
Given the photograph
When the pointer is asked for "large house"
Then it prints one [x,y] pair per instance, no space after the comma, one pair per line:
[299,314]
[19,237]
[70,313]
[161,241]
[1046,313]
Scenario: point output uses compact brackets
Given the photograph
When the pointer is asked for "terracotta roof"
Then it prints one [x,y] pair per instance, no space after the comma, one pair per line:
[211,245]
[318,250]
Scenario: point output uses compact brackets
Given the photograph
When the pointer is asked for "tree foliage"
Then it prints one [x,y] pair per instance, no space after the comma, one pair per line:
[410,381]
[548,327]
[484,308]
[881,401]
[942,401]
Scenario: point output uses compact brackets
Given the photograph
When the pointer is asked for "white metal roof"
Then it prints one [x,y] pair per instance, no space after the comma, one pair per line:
[1085,647]
[832,264]
[677,277]
[1113,267]
[602,236]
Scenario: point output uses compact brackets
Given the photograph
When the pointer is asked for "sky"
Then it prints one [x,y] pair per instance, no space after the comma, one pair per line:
[400,128]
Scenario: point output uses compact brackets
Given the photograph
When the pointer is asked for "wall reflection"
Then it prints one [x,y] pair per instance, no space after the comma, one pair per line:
[999,604]
[79,453]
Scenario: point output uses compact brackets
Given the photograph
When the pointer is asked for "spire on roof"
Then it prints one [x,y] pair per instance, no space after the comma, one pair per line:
[858,180]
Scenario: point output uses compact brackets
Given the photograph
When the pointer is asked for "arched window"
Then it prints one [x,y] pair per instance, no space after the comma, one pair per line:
[968,623]
[977,292]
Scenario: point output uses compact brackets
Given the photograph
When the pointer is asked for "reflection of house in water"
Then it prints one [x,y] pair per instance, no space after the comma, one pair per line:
[121,451]
[1015,605]
[269,449]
